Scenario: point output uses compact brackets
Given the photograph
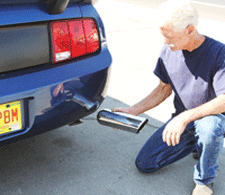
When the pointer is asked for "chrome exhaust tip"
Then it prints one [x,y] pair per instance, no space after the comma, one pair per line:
[121,120]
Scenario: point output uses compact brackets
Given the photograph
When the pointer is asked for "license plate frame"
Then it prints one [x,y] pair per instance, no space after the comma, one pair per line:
[12,117]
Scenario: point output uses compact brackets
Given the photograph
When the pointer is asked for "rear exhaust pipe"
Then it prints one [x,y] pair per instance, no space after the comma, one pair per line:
[121,120]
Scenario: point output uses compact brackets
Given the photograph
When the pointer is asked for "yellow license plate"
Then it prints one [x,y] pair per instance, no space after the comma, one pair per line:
[10,117]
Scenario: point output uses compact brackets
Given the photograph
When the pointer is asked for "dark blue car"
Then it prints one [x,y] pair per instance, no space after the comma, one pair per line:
[54,65]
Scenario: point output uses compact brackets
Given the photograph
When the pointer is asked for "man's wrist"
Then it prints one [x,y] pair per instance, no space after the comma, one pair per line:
[187,116]
[134,110]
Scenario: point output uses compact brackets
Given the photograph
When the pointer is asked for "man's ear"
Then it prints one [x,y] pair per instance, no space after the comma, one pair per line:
[190,29]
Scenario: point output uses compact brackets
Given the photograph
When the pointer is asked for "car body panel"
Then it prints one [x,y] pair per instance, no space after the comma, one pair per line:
[28,13]
[54,94]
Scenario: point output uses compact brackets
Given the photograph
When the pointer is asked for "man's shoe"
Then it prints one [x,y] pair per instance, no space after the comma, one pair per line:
[203,189]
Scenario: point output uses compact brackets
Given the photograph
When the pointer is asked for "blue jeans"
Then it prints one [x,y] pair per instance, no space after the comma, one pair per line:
[205,135]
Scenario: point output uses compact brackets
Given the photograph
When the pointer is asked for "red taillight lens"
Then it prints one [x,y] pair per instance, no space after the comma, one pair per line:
[91,33]
[77,38]
[74,38]
[61,41]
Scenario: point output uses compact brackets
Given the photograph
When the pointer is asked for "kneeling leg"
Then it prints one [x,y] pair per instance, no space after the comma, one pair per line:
[156,154]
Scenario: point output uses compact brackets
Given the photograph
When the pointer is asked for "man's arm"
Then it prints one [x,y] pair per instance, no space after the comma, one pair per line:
[176,126]
[157,96]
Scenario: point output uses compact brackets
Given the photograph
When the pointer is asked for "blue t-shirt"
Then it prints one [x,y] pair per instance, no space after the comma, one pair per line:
[196,77]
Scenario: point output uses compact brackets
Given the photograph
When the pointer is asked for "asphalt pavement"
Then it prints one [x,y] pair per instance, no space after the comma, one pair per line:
[90,159]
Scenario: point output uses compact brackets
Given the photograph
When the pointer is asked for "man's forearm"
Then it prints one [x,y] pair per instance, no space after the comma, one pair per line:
[157,96]
[174,129]
[213,107]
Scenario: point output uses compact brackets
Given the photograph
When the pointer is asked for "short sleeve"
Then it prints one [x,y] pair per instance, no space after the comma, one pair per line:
[160,71]
[219,79]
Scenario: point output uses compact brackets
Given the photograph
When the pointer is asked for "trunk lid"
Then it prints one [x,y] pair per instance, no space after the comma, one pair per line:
[24,31]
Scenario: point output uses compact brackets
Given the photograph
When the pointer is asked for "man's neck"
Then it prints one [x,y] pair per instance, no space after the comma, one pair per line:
[195,42]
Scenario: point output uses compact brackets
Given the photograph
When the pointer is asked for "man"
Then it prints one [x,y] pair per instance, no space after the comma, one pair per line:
[193,66]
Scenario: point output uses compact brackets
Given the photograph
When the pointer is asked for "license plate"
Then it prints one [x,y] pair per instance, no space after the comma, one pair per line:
[10,117]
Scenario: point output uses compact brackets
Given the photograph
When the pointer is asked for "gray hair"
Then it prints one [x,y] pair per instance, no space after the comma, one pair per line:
[178,13]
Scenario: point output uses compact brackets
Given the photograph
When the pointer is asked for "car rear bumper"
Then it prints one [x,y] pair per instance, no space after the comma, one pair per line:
[51,100]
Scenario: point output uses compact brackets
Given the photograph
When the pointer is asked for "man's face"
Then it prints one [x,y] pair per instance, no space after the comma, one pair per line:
[176,40]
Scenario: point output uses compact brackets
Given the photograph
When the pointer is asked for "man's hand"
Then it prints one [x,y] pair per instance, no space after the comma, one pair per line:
[124,110]
[174,129]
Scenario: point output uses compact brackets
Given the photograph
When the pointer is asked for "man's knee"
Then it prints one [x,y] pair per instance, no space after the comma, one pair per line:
[146,165]
[142,166]
[210,127]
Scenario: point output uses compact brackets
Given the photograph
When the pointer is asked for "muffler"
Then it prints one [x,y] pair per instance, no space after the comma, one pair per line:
[122,121]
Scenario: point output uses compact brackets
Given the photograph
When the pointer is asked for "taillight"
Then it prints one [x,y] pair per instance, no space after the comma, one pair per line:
[61,41]
[91,34]
[74,38]
[77,38]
